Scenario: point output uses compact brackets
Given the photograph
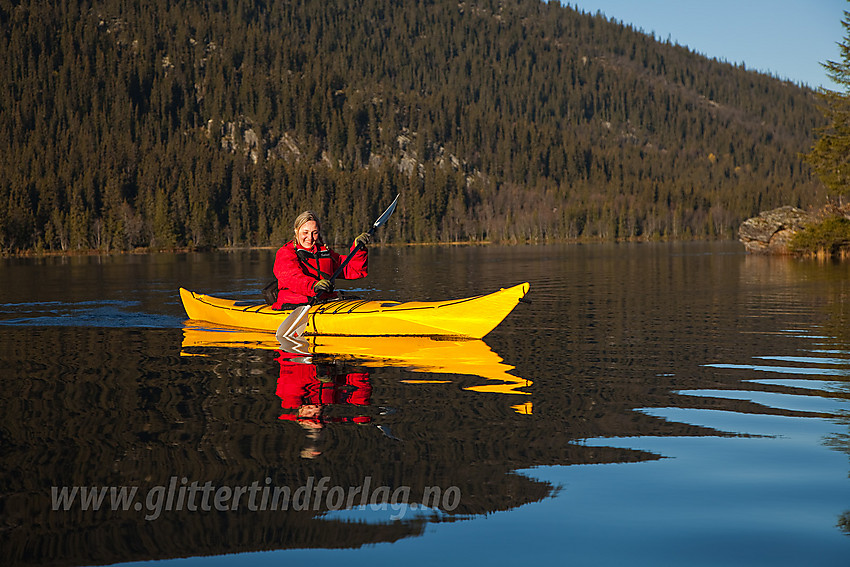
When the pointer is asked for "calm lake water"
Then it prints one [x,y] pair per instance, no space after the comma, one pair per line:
[655,404]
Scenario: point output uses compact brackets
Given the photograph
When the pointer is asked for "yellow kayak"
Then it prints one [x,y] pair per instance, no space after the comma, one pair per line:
[471,317]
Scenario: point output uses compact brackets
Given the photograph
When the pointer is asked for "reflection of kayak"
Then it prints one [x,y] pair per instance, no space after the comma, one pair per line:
[418,354]
[471,317]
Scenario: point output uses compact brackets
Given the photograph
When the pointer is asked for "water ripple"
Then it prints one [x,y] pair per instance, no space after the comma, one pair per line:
[785,369]
[105,313]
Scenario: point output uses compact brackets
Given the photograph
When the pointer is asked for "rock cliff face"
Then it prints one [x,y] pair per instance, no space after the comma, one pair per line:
[770,232]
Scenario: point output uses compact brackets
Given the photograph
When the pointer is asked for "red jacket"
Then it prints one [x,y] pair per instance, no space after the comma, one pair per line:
[297,269]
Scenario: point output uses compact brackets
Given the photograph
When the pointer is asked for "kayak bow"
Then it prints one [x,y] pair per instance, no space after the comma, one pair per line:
[471,317]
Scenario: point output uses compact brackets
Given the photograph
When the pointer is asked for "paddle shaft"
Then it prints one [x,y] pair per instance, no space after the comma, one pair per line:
[381,220]
[349,257]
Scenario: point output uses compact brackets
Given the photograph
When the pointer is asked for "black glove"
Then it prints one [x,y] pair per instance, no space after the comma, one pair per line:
[363,239]
[323,286]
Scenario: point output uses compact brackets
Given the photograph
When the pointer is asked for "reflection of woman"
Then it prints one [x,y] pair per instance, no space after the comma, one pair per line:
[309,388]
[303,266]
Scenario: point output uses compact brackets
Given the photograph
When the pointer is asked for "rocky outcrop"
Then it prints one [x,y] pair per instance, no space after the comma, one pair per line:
[770,232]
[238,135]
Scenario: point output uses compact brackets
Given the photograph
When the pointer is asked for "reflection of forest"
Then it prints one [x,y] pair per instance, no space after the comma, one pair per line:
[132,412]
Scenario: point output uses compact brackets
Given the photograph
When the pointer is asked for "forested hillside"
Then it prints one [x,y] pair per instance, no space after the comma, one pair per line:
[168,123]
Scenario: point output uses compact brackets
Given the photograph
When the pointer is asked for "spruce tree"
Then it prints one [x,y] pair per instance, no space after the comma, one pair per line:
[830,155]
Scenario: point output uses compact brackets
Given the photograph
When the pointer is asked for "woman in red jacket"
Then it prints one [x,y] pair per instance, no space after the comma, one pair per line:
[303,266]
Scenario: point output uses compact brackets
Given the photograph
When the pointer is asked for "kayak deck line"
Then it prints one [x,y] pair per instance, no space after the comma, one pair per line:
[397,306]
[333,307]
[256,307]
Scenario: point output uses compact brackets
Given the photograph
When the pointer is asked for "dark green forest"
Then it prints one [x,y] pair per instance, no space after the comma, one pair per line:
[163,124]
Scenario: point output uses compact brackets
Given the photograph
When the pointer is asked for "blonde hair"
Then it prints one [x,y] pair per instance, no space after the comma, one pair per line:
[306,217]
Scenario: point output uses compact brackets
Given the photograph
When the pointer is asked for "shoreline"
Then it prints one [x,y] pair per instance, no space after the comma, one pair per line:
[141,251]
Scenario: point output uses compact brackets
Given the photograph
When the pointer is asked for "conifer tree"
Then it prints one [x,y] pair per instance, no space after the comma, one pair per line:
[830,156]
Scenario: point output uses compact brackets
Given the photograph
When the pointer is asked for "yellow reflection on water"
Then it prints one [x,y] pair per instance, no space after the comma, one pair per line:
[417,354]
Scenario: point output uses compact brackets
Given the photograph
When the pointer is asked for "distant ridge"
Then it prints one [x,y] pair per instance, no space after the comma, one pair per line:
[171,124]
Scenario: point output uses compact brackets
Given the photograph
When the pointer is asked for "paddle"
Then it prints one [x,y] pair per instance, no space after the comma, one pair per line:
[296,322]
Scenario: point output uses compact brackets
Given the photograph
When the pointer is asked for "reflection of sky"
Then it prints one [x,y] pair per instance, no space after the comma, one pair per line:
[816,367]
[745,501]
[813,392]
[807,359]
[784,492]
[785,369]
[797,403]
[386,513]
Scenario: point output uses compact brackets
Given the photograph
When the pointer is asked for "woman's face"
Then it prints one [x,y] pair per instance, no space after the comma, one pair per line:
[308,234]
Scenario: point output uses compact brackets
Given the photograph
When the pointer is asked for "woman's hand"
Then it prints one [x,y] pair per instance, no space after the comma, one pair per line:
[363,239]
[323,286]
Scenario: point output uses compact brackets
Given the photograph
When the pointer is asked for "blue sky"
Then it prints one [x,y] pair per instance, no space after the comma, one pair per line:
[786,38]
